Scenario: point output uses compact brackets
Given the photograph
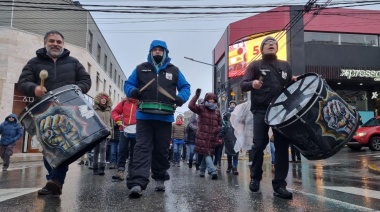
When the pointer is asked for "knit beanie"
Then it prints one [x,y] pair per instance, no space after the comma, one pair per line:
[265,40]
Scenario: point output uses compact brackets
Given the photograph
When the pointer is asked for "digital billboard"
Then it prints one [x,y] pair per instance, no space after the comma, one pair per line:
[243,53]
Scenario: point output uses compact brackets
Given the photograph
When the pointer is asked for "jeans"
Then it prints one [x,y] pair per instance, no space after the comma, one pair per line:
[233,161]
[114,151]
[207,161]
[177,152]
[272,150]
[190,152]
[100,154]
[58,174]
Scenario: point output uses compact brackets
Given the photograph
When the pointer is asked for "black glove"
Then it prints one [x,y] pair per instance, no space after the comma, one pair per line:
[135,93]
[178,101]
[198,92]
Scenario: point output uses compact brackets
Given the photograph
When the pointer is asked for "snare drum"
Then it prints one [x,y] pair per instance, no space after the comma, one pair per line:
[316,120]
[156,108]
[65,124]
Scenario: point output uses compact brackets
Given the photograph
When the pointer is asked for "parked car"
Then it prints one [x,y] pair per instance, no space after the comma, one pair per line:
[367,135]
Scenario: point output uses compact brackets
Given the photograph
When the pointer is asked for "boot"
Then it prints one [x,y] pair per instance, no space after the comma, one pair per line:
[119,175]
[5,168]
[52,187]
[190,163]
[101,170]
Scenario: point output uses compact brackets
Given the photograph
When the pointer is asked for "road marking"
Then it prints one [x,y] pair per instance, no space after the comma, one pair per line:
[6,194]
[356,191]
[369,155]
[347,205]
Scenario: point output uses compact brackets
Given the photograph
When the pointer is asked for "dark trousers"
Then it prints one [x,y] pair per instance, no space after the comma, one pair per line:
[58,174]
[150,153]
[218,155]
[295,153]
[260,141]
[126,146]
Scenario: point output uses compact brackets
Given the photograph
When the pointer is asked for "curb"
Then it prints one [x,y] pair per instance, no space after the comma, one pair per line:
[374,169]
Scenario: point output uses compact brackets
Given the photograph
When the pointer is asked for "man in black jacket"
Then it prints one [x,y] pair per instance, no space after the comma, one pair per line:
[62,70]
[265,78]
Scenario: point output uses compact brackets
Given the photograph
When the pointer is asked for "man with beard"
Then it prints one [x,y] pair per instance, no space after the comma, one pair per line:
[62,70]
[265,78]
[154,83]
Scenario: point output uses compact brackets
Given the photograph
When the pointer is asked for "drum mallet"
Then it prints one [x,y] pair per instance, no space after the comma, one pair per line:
[145,86]
[43,76]
[164,92]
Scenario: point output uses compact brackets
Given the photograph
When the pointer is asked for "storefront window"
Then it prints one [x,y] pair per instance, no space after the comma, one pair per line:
[357,99]
[341,39]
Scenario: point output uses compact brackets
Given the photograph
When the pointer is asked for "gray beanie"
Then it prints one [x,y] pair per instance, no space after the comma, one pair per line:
[265,40]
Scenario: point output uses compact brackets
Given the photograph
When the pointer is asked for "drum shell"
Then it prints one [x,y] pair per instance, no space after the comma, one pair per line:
[309,130]
[87,127]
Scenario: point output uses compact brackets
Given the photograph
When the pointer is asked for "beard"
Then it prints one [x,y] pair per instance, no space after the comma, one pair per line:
[53,54]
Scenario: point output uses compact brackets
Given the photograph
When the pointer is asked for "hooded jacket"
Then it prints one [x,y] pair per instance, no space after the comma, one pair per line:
[209,125]
[125,111]
[166,75]
[105,115]
[65,71]
[10,131]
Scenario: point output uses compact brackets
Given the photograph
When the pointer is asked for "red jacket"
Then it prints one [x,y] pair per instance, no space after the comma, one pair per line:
[127,109]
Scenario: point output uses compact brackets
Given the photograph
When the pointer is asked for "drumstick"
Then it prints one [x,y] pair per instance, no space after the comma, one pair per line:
[43,76]
[145,86]
[163,91]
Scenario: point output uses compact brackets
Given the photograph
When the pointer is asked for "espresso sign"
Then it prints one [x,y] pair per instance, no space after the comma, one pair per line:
[349,73]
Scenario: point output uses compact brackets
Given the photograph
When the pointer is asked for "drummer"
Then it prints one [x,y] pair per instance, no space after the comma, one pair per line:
[265,78]
[154,116]
[62,70]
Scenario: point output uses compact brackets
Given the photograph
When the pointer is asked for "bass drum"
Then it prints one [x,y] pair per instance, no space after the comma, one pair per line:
[317,121]
[65,124]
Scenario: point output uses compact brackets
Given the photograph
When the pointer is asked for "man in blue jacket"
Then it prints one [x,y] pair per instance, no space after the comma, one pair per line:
[10,132]
[155,84]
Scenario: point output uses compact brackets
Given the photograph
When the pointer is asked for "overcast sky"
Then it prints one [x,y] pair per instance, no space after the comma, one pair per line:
[194,36]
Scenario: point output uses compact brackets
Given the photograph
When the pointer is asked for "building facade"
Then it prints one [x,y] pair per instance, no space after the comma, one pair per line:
[340,45]
[22,28]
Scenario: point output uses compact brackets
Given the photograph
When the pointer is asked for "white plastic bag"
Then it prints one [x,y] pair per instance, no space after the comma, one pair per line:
[130,129]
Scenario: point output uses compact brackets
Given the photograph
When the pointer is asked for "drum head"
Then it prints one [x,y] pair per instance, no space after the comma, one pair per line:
[293,100]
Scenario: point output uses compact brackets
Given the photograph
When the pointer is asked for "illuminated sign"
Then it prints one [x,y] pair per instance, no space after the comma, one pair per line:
[243,53]
[375,75]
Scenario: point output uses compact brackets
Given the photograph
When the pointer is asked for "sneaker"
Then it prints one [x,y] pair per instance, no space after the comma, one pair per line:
[214,176]
[160,186]
[81,162]
[229,169]
[5,168]
[234,171]
[254,185]
[136,192]
[283,193]
[112,166]
[119,175]
[202,174]
[52,187]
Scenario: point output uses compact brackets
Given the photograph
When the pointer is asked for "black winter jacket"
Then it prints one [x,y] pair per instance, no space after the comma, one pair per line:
[65,71]
[277,75]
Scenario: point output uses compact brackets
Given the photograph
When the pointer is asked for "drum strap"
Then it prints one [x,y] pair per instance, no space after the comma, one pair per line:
[143,106]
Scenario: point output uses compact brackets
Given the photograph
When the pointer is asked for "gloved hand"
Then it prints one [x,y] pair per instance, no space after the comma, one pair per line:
[178,101]
[119,123]
[198,92]
[135,93]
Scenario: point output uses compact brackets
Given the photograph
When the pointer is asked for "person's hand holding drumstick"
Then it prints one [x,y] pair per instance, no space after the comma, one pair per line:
[40,90]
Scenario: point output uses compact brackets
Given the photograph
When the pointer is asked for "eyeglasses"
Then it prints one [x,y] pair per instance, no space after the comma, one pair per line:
[273,42]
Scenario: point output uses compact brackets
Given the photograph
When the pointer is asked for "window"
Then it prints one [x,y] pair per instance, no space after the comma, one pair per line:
[321,38]
[89,68]
[98,53]
[110,91]
[105,62]
[114,95]
[114,76]
[110,70]
[358,40]
[118,81]
[104,85]
[341,39]
[97,81]
[90,38]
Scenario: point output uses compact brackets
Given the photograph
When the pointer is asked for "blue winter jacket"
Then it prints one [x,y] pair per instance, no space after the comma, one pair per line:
[10,131]
[183,86]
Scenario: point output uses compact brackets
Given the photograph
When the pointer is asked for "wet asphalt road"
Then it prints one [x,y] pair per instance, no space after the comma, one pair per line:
[340,183]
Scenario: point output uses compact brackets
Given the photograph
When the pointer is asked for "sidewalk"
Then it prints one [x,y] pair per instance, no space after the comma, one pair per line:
[25,157]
